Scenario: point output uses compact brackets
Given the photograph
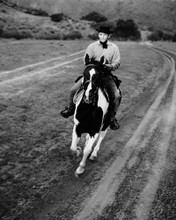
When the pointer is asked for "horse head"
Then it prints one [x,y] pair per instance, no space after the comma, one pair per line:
[92,79]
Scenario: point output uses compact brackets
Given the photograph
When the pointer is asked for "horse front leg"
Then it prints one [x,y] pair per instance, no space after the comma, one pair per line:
[75,139]
[97,147]
[87,149]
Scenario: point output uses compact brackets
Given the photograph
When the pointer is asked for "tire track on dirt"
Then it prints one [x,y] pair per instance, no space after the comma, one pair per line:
[147,196]
[23,78]
[59,206]
[116,173]
[47,62]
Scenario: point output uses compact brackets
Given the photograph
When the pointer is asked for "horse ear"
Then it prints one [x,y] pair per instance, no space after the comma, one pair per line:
[102,60]
[86,59]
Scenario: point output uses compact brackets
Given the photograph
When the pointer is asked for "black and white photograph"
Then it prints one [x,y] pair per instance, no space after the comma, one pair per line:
[87,109]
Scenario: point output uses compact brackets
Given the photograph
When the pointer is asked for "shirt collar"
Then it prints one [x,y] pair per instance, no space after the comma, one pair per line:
[108,43]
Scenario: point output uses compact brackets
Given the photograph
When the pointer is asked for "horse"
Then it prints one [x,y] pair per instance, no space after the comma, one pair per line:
[91,113]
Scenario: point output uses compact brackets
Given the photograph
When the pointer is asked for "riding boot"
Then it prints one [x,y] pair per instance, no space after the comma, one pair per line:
[114,125]
[113,121]
[68,111]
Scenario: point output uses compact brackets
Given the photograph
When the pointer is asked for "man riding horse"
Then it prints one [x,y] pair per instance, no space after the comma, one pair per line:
[110,52]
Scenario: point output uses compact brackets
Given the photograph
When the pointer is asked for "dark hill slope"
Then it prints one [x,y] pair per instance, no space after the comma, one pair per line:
[159,14]
[17,22]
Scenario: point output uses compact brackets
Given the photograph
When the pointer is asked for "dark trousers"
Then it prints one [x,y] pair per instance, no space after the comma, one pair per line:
[114,94]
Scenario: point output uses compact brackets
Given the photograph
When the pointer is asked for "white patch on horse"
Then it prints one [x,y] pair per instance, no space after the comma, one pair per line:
[102,102]
[76,122]
[92,72]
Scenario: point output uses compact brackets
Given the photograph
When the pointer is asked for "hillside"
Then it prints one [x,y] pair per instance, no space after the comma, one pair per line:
[15,22]
[155,14]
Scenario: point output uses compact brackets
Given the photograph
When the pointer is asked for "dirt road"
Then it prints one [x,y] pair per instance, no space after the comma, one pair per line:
[128,189]
[135,172]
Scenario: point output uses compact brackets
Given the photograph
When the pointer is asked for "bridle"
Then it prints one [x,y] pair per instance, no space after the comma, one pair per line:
[90,81]
[93,85]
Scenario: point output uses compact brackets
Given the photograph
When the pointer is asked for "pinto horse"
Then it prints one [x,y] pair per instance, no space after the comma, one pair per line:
[90,115]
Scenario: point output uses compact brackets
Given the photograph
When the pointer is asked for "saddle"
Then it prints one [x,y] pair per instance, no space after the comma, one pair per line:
[116,79]
[80,91]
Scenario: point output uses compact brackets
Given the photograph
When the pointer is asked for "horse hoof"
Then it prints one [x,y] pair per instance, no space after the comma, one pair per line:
[77,175]
[79,171]
[92,158]
[78,151]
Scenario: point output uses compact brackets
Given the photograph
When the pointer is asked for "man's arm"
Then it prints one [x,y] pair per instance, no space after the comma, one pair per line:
[115,60]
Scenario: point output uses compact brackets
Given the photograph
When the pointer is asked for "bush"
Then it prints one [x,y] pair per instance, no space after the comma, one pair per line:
[160,35]
[154,37]
[37,12]
[94,16]
[58,17]
[1,31]
[49,34]
[17,34]
[127,30]
[167,37]
[93,36]
[174,38]
[73,35]
[96,26]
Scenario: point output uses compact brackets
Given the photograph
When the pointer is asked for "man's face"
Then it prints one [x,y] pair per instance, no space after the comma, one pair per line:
[103,37]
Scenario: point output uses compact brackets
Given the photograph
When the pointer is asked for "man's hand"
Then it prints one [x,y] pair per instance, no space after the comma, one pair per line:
[108,67]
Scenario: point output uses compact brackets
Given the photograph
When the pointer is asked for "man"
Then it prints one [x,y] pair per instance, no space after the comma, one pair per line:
[110,51]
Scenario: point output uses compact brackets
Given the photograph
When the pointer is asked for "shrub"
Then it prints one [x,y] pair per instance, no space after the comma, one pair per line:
[154,37]
[92,36]
[17,35]
[37,12]
[127,30]
[49,34]
[94,16]
[73,35]
[1,31]
[96,26]
[174,38]
[151,29]
[160,35]
[167,37]
[58,17]
[3,11]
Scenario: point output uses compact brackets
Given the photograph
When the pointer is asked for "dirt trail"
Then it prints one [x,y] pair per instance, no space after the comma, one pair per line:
[128,187]
[124,181]
[41,65]
[158,114]
[25,77]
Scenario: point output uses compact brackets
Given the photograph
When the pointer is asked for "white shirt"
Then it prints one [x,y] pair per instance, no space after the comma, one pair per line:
[111,53]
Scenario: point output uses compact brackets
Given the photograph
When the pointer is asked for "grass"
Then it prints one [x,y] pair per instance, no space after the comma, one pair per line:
[19,25]
[35,140]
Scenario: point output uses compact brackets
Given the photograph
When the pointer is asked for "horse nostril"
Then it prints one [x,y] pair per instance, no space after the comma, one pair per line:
[86,100]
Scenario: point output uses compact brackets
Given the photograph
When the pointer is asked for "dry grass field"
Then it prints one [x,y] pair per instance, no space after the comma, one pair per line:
[20,25]
[35,160]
